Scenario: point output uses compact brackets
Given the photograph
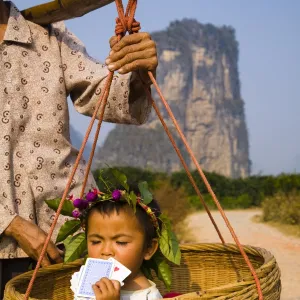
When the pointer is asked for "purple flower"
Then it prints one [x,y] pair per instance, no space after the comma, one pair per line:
[116,194]
[80,203]
[91,197]
[76,213]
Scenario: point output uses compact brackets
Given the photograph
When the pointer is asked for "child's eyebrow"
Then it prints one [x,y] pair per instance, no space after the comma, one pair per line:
[113,237]
[121,235]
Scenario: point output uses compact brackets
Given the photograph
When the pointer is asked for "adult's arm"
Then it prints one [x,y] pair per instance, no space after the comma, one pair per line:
[85,79]
[31,239]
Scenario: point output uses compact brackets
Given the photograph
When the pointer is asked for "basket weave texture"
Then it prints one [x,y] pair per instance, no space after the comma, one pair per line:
[207,271]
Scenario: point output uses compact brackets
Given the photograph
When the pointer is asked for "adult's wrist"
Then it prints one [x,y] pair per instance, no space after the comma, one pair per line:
[12,228]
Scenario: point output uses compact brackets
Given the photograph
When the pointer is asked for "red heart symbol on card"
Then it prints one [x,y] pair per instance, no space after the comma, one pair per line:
[116,269]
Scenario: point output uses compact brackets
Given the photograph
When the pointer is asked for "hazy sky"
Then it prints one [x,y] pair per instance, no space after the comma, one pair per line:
[268,32]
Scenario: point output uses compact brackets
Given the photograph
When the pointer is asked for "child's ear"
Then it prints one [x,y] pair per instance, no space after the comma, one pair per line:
[149,252]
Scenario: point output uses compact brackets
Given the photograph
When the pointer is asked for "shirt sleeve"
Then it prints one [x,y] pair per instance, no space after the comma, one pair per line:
[7,214]
[85,79]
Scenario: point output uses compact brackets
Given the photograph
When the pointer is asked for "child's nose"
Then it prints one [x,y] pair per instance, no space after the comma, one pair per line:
[107,250]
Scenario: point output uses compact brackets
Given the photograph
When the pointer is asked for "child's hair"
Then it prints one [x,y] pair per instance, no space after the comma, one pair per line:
[108,207]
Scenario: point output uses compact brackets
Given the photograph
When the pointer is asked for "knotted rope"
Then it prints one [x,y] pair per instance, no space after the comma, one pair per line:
[126,23]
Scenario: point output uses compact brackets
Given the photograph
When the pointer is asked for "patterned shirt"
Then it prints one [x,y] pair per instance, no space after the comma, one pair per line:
[40,67]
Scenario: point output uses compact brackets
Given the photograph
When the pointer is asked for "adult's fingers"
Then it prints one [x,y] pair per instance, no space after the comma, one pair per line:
[148,64]
[147,57]
[113,40]
[45,262]
[130,40]
[61,252]
[115,56]
[53,253]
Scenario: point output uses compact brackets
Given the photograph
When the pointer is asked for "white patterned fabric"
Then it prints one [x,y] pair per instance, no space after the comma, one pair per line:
[40,67]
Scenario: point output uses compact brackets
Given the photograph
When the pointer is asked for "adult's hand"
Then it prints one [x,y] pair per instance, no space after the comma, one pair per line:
[31,239]
[135,52]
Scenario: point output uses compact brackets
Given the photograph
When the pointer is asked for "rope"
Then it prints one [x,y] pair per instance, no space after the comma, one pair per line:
[207,185]
[103,98]
[126,23]
[184,163]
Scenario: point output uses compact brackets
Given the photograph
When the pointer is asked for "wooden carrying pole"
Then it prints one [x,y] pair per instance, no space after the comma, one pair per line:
[60,10]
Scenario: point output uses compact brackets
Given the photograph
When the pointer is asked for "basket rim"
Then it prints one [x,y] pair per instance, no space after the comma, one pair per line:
[228,247]
[268,260]
[193,247]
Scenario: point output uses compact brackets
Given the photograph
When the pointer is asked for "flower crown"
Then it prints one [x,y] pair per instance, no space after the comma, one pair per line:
[94,196]
[75,242]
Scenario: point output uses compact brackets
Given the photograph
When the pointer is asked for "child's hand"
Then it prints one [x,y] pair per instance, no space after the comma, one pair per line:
[106,289]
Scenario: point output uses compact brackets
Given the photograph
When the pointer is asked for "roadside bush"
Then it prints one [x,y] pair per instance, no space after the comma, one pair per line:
[172,202]
[241,202]
[283,208]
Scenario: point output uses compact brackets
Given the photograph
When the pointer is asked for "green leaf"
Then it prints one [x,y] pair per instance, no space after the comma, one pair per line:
[164,243]
[106,197]
[175,249]
[75,247]
[67,229]
[146,195]
[133,200]
[165,220]
[67,241]
[121,178]
[66,209]
[169,245]
[162,270]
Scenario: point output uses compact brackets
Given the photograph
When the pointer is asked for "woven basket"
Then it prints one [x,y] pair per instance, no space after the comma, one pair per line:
[207,271]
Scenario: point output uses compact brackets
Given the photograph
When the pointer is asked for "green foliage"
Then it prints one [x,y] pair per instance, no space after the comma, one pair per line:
[66,209]
[232,193]
[133,174]
[168,243]
[75,247]
[236,193]
[68,229]
[283,208]
[121,178]
[161,268]
[146,195]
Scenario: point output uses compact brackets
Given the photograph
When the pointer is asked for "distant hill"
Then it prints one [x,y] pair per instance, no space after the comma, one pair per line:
[153,151]
[76,139]
[198,74]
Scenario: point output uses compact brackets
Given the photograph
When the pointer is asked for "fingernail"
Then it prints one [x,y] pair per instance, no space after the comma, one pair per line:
[111,52]
[107,61]
[111,67]
[121,71]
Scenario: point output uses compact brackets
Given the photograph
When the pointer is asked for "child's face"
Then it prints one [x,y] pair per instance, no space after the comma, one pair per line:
[119,236]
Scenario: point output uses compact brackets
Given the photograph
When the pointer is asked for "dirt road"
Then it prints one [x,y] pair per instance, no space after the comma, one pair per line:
[286,249]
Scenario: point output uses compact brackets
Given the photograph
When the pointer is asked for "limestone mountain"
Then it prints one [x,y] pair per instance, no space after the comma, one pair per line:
[198,75]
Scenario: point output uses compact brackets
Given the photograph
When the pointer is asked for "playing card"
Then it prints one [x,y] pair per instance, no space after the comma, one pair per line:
[75,280]
[80,273]
[94,270]
[120,272]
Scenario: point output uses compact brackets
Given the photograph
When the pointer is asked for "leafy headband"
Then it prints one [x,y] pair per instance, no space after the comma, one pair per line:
[75,242]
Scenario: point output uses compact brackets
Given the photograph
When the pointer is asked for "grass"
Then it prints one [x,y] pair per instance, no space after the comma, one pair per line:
[287,229]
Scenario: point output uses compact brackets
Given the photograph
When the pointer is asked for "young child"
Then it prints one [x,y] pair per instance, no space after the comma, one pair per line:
[113,229]
[127,225]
